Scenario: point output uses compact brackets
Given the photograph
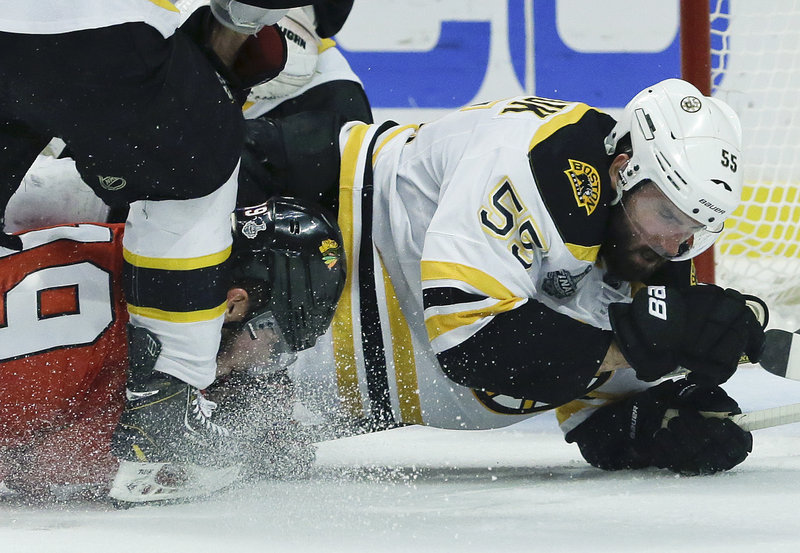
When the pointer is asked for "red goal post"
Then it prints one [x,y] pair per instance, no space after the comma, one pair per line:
[747,53]
[695,43]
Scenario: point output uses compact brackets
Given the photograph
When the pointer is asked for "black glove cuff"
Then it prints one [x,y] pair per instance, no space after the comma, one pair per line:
[628,338]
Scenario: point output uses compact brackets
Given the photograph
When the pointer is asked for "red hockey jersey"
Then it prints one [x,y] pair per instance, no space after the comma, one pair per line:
[63,355]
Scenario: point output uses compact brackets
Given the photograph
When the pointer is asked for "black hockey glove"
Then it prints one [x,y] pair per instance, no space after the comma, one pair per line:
[702,328]
[677,425]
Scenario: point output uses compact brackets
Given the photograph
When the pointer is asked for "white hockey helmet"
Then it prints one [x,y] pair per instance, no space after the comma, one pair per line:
[689,145]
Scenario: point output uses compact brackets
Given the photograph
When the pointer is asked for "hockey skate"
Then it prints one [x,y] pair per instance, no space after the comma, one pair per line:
[165,419]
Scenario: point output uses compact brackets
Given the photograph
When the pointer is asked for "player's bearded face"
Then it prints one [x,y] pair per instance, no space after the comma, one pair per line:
[625,252]
[645,230]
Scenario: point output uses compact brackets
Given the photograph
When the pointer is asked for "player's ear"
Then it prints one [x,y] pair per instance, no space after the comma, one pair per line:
[616,165]
[238,304]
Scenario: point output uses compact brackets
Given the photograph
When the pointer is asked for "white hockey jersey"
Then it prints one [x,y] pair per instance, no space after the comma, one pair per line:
[59,16]
[497,205]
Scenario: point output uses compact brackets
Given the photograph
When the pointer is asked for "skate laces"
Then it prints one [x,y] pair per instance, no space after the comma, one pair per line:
[202,411]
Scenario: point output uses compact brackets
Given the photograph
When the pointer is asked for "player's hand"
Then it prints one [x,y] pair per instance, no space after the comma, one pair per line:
[696,437]
[702,328]
[676,425]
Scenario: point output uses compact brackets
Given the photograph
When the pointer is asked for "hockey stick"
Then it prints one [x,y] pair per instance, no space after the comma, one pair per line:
[754,420]
[781,355]
[766,418]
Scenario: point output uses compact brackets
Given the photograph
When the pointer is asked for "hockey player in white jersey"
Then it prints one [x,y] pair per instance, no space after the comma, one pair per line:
[152,126]
[494,254]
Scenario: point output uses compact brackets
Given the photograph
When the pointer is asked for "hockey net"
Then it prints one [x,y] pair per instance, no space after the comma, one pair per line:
[755,67]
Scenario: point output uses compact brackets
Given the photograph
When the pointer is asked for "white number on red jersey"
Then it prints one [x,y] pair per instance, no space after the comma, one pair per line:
[57,306]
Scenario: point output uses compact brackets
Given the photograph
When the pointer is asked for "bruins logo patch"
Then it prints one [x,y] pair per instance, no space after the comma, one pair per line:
[585,182]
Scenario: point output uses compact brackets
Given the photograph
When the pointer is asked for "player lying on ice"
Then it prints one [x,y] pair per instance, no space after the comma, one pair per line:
[493,256]
[64,357]
[504,313]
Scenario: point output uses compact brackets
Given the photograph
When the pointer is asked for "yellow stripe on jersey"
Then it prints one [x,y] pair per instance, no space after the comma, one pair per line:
[484,105]
[438,325]
[342,325]
[405,366]
[565,411]
[592,399]
[166,5]
[178,316]
[176,264]
[443,270]
[389,137]
[324,44]
[583,253]
[561,119]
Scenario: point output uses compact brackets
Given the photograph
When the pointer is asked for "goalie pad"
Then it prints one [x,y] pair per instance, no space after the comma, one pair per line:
[302,45]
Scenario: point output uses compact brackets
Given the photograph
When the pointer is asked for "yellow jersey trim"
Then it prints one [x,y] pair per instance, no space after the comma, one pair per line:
[325,44]
[564,412]
[405,367]
[344,353]
[438,325]
[443,270]
[583,253]
[169,6]
[560,120]
[389,137]
[201,315]
[176,264]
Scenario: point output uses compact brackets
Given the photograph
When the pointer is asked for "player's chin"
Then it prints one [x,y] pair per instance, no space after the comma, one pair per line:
[633,265]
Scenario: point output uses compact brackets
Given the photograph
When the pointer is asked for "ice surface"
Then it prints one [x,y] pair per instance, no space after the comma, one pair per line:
[419,489]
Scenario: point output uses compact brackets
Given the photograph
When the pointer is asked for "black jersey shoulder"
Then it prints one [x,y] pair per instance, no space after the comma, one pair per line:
[570,166]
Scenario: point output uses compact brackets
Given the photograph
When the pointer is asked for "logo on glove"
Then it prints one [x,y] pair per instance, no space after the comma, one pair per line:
[656,301]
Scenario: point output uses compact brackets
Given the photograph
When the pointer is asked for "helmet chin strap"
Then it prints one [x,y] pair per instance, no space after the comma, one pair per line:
[618,189]
[622,184]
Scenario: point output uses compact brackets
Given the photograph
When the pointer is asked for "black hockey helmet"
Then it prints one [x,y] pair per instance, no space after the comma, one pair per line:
[293,249]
